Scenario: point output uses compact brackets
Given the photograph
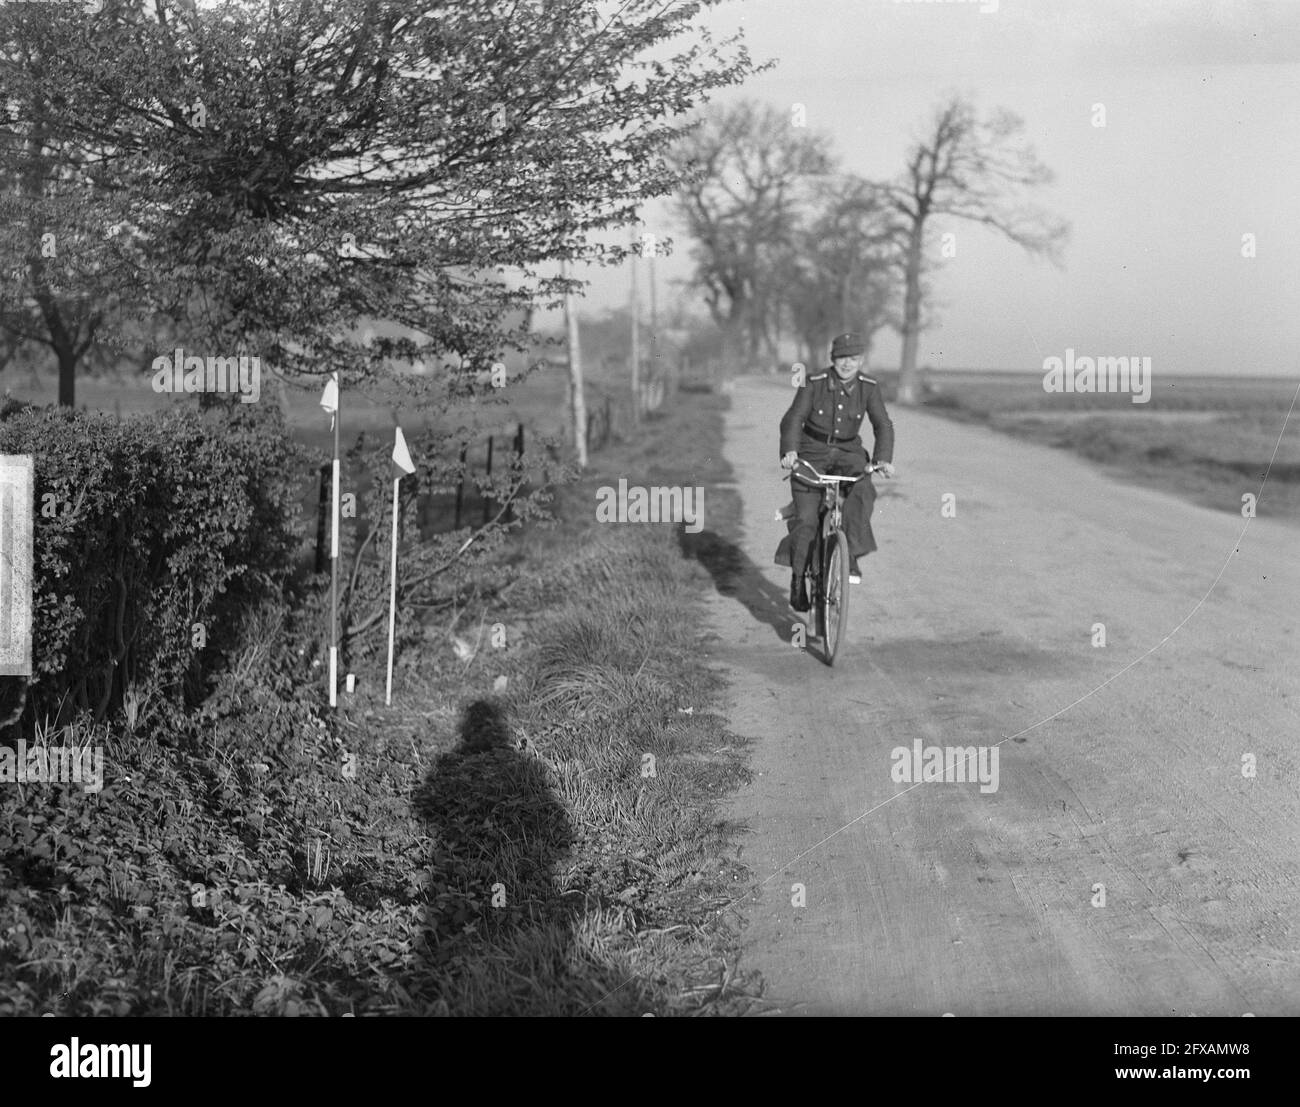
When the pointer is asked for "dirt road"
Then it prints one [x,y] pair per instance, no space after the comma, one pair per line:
[1125,765]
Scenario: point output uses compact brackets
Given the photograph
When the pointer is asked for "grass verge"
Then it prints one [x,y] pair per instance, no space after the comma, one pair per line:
[532,828]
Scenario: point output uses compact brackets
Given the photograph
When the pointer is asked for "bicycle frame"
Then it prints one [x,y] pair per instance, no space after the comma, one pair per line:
[829,596]
[832,511]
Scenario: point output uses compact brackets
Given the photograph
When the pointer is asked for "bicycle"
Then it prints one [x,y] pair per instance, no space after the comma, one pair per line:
[826,575]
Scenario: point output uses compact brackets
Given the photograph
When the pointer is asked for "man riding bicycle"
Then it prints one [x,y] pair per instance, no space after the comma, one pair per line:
[822,426]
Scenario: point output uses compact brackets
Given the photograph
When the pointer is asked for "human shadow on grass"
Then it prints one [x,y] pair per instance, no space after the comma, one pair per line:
[497,920]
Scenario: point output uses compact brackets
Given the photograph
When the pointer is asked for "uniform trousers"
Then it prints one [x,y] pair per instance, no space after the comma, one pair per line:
[845,460]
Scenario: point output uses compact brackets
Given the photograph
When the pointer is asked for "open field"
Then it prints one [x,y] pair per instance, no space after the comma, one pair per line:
[1208,439]
[538,400]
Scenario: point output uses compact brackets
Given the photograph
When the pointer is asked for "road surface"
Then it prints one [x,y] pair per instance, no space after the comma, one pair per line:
[1141,852]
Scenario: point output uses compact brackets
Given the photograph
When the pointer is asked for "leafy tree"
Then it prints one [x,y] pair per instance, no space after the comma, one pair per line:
[66,258]
[290,168]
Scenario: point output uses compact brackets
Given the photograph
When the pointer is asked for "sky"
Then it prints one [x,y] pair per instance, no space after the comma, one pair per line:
[1201,145]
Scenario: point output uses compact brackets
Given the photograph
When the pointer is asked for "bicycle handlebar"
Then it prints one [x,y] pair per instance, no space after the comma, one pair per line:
[825,478]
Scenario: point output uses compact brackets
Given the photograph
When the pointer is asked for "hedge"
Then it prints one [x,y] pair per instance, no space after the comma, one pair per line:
[152,538]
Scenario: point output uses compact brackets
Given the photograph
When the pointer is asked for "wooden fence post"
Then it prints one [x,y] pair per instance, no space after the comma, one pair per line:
[460,488]
[519,465]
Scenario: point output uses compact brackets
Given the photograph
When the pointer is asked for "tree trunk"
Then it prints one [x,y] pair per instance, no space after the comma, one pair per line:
[67,377]
[732,341]
[753,338]
[810,346]
[772,348]
[907,383]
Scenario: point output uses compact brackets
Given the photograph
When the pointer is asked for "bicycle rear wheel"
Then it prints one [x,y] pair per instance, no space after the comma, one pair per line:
[834,607]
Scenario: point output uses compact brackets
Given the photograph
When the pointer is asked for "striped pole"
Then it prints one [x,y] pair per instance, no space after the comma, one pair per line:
[334,568]
[330,402]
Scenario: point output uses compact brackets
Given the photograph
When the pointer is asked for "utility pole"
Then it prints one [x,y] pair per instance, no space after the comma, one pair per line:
[577,401]
[636,346]
[654,306]
[654,320]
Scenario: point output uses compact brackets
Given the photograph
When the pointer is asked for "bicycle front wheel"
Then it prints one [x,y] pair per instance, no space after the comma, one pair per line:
[835,594]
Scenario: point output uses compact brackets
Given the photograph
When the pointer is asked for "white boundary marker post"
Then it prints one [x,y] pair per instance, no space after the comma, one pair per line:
[330,402]
[402,465]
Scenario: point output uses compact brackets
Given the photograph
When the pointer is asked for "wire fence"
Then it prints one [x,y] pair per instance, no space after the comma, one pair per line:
[442,510]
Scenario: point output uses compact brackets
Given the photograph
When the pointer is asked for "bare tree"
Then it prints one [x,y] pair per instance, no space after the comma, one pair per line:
[740,206]
[846,265]
[970,169]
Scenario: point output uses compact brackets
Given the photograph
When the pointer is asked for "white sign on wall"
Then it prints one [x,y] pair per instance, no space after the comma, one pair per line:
[16,565]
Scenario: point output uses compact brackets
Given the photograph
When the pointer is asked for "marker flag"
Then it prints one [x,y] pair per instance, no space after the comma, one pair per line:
[402,466]
[402,456]
[330,399]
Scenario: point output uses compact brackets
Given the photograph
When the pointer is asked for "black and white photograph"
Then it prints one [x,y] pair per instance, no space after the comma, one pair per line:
[650,508]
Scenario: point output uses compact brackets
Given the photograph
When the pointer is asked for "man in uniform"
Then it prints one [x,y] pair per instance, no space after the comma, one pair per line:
[822,426]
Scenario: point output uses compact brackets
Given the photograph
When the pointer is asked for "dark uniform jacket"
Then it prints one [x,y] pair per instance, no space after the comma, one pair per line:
[829,411]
